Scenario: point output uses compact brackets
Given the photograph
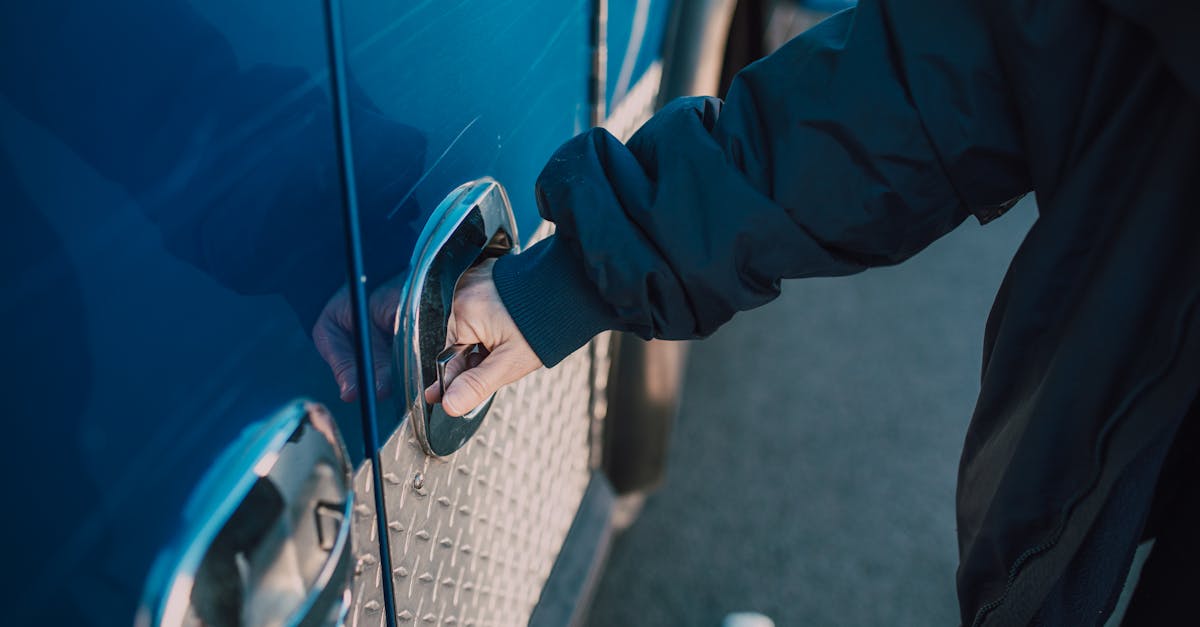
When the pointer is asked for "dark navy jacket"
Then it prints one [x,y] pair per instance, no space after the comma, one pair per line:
[870,136]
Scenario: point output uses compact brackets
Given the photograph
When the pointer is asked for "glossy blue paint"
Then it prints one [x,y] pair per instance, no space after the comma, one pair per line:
[171,226]
[173,230]
[493,87]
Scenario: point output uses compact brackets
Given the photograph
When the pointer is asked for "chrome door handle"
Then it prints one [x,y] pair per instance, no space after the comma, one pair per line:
[266,534]
[473,223]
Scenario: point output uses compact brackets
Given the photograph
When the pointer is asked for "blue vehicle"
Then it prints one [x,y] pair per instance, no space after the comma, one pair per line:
[232,231]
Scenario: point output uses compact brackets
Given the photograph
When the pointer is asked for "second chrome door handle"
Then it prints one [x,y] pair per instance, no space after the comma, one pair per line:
[474,222]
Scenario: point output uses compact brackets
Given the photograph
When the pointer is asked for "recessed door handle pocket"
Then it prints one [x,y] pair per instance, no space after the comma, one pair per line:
[473,223]
[265,538]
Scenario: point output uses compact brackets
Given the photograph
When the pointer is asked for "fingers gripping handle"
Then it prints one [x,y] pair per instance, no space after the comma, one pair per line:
[452,352]
[473,223]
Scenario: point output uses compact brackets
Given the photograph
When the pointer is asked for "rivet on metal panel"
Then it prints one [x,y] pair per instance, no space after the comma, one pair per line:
[521,484]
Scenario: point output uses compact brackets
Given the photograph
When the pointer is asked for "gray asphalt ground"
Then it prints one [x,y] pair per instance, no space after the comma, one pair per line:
[812,471]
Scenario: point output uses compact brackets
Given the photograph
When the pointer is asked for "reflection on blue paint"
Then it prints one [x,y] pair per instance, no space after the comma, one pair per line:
[494,86]
[173,233]
[636,29]
[169,180]
[827,6]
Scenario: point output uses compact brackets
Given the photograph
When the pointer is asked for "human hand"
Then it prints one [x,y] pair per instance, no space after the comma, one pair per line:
[333,335]
[478,316]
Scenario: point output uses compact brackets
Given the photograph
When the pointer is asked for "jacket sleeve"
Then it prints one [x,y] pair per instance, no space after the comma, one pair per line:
[855,145]
[1171,25]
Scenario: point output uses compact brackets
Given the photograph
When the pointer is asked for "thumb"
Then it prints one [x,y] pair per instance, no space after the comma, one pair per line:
[474,385]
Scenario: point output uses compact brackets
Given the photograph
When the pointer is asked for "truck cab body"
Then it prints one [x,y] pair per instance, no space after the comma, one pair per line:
[203,199]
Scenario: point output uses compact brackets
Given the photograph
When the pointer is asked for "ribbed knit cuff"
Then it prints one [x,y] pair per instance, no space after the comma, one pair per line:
[548,294]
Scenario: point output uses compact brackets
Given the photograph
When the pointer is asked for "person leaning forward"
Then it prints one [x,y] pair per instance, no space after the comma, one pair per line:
[856,145]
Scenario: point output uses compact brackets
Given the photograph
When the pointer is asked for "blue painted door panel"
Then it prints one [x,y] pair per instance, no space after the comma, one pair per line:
[491,88]
[173,232]
[171,228]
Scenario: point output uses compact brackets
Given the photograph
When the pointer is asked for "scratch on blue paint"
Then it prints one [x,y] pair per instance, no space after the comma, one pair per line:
[562,28]
[533,106]
[385,31]
[432,167]
[515,19]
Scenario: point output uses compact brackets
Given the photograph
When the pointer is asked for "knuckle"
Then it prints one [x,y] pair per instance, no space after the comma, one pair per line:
[342,367]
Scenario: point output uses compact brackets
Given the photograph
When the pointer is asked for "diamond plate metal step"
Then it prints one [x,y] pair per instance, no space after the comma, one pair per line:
[474,536]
